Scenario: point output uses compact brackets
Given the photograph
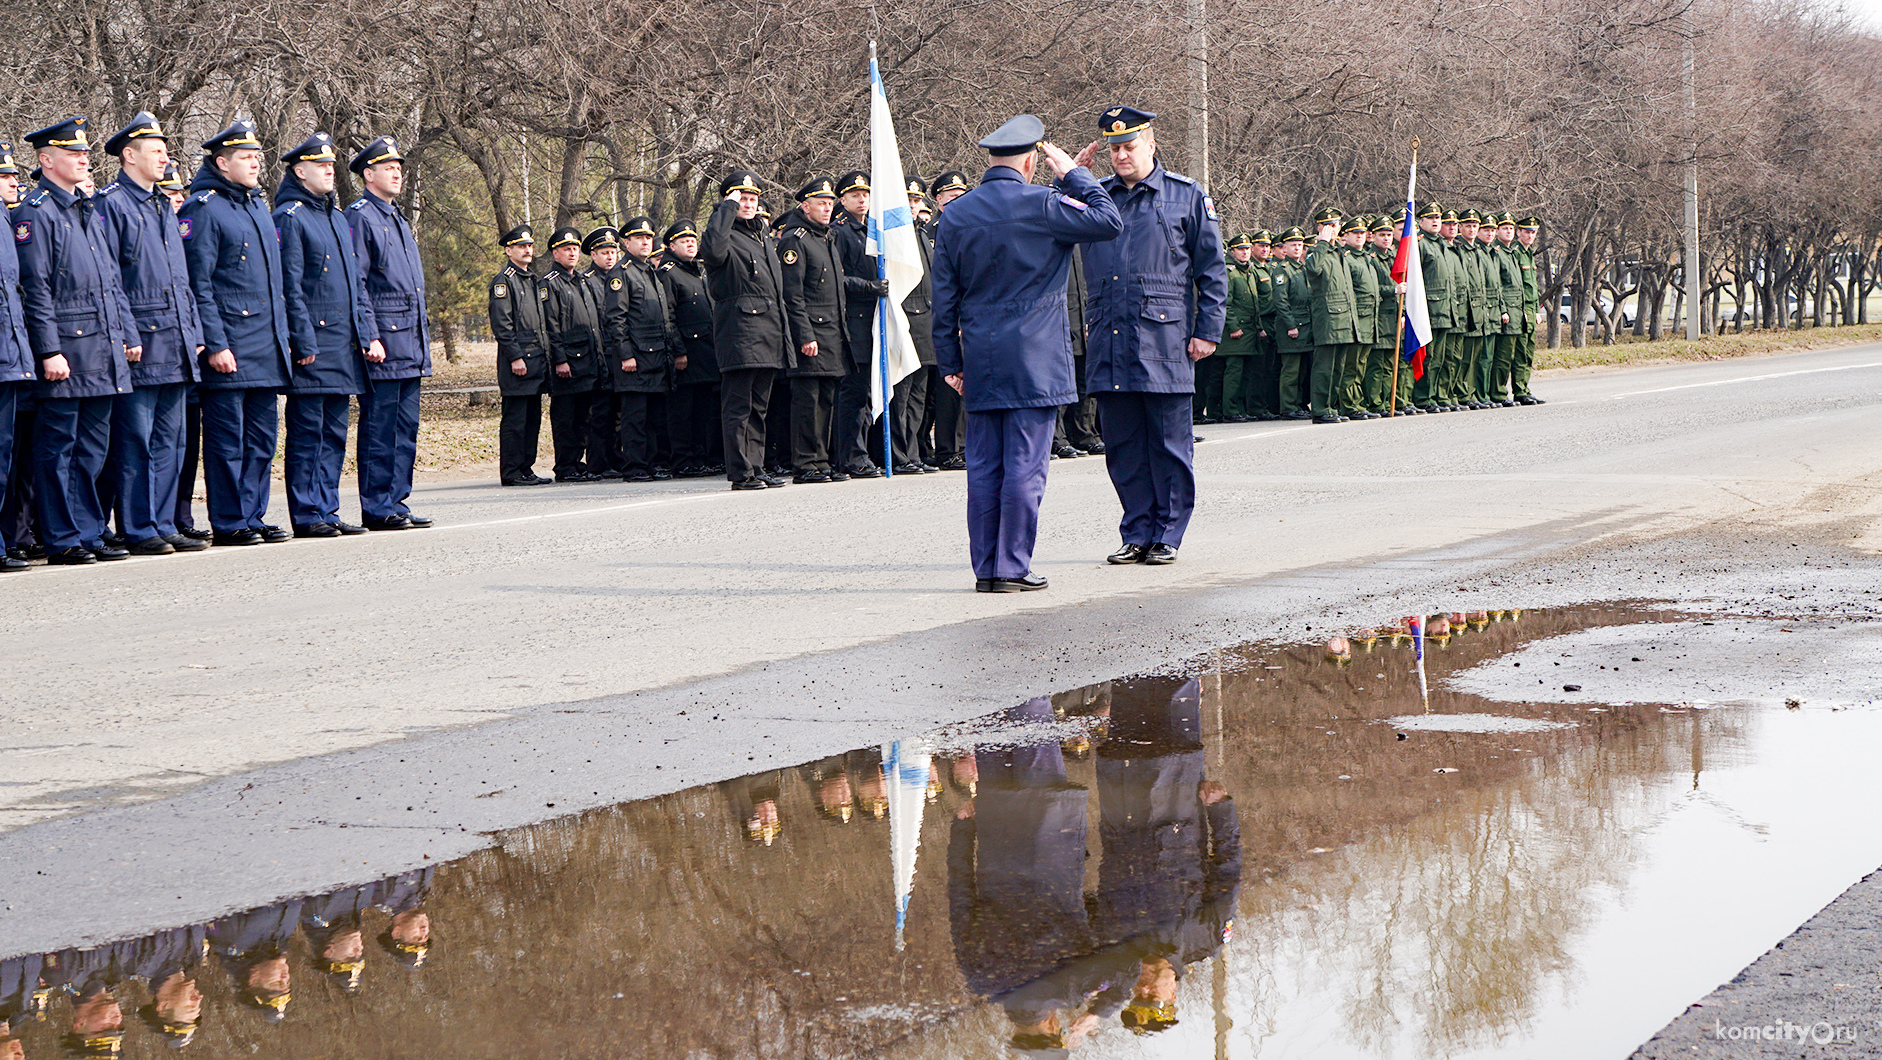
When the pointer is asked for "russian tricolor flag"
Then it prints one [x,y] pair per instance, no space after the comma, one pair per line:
[1406,270]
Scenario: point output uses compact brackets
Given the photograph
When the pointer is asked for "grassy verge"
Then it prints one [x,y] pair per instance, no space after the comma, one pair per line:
[1629,350]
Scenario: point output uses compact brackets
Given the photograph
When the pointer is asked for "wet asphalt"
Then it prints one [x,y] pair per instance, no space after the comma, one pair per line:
[271,710]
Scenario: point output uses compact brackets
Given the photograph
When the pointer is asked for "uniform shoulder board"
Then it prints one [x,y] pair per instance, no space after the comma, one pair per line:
[1178,177]
[357,204]
[508,270]
[108,189]
[665,265]
[796,233]
[293,206]
[37,198]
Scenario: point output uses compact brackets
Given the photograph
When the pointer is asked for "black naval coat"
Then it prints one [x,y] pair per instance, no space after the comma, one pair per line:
[644,330]
[692,317]
[571,312]
[747,287]
[516,297]
[814,299]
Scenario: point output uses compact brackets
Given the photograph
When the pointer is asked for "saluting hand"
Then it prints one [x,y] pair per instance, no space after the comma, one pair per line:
[1090,153]
[1056,157]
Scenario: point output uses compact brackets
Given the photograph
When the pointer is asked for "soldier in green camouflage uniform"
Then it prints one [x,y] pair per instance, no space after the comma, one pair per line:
[1434,262]
[1293,325]
[1335,331]
[1366,308]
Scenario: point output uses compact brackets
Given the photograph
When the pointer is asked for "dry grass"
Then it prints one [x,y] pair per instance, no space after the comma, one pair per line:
[1628,350]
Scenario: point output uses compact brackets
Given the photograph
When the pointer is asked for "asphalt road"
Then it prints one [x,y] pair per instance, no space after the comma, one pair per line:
[135,680]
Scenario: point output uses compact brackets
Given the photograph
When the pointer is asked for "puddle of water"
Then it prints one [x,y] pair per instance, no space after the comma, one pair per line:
[1278,853]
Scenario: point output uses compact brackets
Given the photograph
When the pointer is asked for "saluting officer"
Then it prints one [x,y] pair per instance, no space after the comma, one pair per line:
[235,267]
[16,375]
[1157,298]
[642,362]
[946,415]
[79,324]
[608,272]
[572,314]
[1002,339]
[330,328]
[751,337]
[516,322]
[693,406]
[1334,316]
[400,354]
[814,302]
[147,423]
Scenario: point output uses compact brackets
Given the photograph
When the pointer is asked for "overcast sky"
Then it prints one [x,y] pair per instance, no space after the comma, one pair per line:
[1867,11]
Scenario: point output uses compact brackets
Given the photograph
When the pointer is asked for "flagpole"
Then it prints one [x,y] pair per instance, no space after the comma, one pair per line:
[1398,347]
[882,315]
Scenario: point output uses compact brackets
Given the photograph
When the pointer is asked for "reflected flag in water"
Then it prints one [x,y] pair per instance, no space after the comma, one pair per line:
[906,766]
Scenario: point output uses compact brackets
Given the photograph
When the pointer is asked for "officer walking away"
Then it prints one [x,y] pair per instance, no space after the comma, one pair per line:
[16,377]
[516,321]
[1157,298]
[749,331]
[571,313]
[147,423]
[693,406]
[1001,335]
[235,267]
[330,328]
[642,362]
[814,303]
[80,327]
[395,283]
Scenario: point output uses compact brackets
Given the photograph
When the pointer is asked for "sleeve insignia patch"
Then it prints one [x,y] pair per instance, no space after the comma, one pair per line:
[615,283]
[23,232]
[501,290]
[1073,203]
[790,256]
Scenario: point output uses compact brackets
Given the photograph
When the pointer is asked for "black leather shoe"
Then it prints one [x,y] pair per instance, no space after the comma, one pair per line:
[200,535]
[390,522]
[243,536]
[151,546]
[419,522]
[774,481]
[1027,584]
[1531,399]
[1066,452]
[316,530]
[578,476]
[185,543]
[929,469]
[839,476]
[16,552]
[531,480]
[108,553]
[610,473]
[811,477]
[1160,554]
[1298,414]
[1329,419]
[954,463]
[984,585]
[112,540]
[866,471]
[749,484]
[637,476]
[908,469]
[274,535]
[347,529]
[10,563]
[1128,554]
[662,473]
[71,557]
[1095,449]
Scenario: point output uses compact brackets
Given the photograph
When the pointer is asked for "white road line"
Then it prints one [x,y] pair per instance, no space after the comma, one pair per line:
[1749,379]
[656,502]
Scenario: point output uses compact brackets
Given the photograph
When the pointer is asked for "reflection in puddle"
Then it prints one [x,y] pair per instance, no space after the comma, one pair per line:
[1279,852]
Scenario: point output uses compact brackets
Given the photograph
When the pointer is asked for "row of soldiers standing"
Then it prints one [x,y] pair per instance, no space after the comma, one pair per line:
[1314,333]
[159,327]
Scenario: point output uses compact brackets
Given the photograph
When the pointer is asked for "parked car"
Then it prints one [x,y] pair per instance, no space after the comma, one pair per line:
[1567,309]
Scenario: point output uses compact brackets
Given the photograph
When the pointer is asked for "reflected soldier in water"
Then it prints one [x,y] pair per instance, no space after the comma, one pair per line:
[1171,844]
[167,962]
[1016,903]
[754,802]
[89,976]
[332,923]
[408,937]
[253,946]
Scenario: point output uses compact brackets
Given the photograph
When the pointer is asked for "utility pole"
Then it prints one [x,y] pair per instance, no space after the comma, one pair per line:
[1199,92]
[1693,280]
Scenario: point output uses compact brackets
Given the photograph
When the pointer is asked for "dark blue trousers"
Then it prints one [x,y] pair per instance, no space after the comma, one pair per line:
[18,512]
[9,410]
[147,443]
[188,461]
[239,431]
[316,452]
[1149,449]
[1007,454]
[388,446]
[71,438]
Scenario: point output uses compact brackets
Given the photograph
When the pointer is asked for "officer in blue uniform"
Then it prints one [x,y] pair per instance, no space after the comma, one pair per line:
[399,355]
[254,949]
[1002,255]
[16,376]
[176,189]
[235,266]
[330,324]
[79,324]
[1156,301]
[16,499]
[147,424]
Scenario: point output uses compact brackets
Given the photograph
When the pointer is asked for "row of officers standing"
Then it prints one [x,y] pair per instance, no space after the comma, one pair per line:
[156,326]
[1313,322]
[743,350]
